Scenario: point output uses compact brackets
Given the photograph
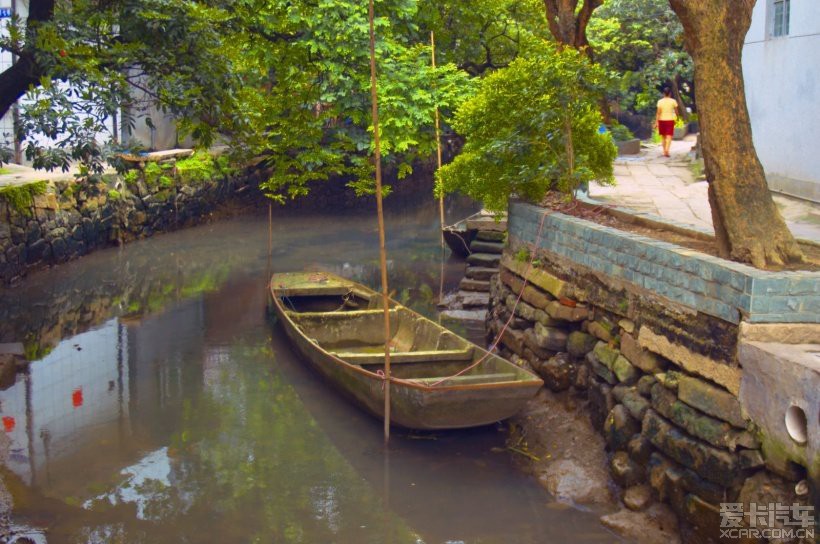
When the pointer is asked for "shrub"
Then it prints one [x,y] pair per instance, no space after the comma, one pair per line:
[620,133]
[532,127]
[198,167]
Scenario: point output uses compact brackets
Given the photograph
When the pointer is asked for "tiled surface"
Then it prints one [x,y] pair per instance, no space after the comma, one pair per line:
[724,289]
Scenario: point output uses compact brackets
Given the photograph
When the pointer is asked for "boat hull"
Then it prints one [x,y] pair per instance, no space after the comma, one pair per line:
[458,240]
[414,405]
[460,235]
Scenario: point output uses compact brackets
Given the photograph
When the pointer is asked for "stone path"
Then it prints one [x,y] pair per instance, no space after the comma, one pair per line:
[15,174]
[667,187]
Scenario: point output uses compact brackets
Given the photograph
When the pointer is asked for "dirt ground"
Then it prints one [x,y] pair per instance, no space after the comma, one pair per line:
[557,444]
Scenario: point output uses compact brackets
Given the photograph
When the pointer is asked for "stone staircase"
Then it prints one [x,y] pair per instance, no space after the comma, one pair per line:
[482,263]
[472,299]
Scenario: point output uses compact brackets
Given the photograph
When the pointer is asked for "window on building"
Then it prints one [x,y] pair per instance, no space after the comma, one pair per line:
[780,19]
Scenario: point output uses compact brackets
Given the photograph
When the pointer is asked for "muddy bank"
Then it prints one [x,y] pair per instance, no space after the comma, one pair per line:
[558,445]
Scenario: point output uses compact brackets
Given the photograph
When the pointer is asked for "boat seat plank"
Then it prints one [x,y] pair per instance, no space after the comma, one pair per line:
[339,315]
[470,379]
[400,357]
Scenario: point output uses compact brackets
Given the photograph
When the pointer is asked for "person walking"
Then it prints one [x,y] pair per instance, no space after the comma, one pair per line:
[665,119]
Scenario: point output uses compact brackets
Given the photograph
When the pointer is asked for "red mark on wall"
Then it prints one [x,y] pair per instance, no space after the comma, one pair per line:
[77,397]
[8,423]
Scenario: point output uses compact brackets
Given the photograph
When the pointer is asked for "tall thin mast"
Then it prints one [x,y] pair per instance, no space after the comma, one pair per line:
[438,138]
[377,159]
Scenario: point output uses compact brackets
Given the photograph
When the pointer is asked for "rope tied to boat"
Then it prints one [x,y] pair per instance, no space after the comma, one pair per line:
[383,376]
[500,334]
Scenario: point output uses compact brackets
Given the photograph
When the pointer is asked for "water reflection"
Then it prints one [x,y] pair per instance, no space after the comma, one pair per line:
[164,408]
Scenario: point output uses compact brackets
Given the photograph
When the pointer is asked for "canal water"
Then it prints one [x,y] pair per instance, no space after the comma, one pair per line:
[163,406]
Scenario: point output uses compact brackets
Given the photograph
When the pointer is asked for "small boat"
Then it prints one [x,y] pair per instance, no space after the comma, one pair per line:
[337,325]
[460,235]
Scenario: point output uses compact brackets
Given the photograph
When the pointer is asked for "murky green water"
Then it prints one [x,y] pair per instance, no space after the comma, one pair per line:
[163,407]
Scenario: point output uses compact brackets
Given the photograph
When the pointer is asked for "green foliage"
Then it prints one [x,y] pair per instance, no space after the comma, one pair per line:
[155,175]
[21,197]
[112,54]
[640,42]
[620,133]
[312,93]
[522,255]
[131,176]
[114,195]
[33,350]
[532,126]
[199,167]
[480,36]
[286,80]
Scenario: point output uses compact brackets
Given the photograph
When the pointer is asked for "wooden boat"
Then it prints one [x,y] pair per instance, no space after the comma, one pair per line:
[458,238]
[337,326]
[460,235]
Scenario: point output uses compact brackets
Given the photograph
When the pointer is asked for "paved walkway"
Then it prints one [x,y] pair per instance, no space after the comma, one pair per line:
[667,187]
[15,174]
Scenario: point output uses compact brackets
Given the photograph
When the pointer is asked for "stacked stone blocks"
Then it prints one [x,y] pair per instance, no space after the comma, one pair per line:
[671,416]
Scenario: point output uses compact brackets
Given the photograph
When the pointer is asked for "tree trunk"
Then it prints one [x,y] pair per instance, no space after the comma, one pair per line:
[15,81]
[568,24]
[25,72]
[748,226]
[674,85]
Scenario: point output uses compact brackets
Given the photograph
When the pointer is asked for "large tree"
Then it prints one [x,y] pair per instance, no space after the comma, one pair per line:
[78,62]
[286,80]
[481,35]
[748,226]
[568,21]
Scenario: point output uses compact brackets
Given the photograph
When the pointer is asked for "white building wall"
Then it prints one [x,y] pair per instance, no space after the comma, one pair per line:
[163,136]
[782,78]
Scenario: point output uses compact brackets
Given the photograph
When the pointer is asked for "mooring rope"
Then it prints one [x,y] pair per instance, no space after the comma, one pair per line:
[512,311]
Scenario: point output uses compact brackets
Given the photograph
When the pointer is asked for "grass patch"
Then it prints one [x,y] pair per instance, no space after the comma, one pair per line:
[698,169]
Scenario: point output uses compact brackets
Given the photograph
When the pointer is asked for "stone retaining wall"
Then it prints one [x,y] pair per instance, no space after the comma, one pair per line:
[63,220]
[649,334]
[48,223]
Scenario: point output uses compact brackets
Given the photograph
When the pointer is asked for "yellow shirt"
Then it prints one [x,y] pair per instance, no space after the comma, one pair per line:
[666,109]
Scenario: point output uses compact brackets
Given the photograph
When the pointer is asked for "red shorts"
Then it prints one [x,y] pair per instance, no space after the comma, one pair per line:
[666,128]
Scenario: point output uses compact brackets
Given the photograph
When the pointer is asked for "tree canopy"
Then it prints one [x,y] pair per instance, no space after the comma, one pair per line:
[642,42]
[280,79]
[531,127]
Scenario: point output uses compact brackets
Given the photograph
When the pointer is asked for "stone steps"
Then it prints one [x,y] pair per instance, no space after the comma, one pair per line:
[474,299]
[480,246]
[468,284]
[480,273]
[486,260]
[490,236]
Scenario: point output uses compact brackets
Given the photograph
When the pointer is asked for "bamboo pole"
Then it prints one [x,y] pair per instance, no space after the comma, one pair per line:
[438,140]
[377,159]
[438,164]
